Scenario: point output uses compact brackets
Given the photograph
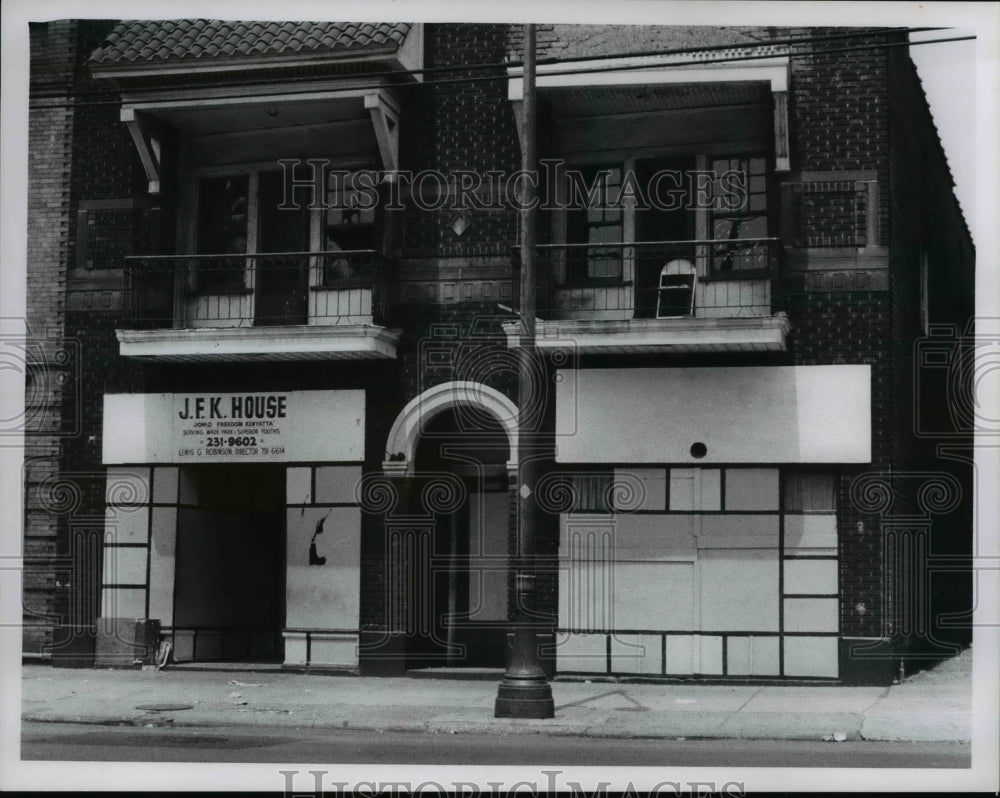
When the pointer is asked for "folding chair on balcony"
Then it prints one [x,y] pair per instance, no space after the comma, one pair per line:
[675,295]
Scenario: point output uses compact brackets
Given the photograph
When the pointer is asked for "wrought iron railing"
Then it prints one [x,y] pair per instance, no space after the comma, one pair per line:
[732,277]
[286,288]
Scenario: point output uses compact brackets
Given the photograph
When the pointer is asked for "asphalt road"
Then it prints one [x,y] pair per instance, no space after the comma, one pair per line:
[76,743]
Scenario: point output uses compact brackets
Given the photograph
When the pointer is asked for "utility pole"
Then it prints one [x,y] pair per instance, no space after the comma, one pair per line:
[524,691]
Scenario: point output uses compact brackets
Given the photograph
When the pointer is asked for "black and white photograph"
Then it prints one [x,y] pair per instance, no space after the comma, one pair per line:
[500,398]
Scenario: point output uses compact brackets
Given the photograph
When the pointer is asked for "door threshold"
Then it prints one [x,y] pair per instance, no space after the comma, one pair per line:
[449,672]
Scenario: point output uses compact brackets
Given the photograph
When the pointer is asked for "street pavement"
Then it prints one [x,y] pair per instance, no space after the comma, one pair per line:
[934,705]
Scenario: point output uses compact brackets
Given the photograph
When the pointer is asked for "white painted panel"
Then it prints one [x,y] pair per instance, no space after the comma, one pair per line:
[680,654]
[323,596]
[586,595]
[300,426]
[162,561]
[654,596]
[123,602]
[125,565]
[586,536]
[752,656]
[738,656]
[817,577]
[710,655]
[129,485]
[682,484]
[333,650]
[805,532]
[129,525]
[738,531]
[811,656]
[653,483]
[298,485]
[296,650]
[639,654]
[811,615]
[586,653]
[752,488]
[165,485]
[711,489]
[340,306]
[766,414]
[739,590]
[337,484]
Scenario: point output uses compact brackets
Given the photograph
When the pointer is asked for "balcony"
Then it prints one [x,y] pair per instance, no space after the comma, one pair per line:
[664,296]
[277,306]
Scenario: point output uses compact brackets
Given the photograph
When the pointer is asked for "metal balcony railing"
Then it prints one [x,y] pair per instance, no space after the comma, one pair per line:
[287,288]
[632,280]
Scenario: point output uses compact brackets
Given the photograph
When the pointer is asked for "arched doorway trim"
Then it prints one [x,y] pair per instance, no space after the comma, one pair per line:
[401,444]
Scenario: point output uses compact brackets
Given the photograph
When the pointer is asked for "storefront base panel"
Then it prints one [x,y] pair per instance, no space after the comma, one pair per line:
[205,644]
[126,642]
[868,661]
[653,654]
[382,654]
[321,649]
[73,646]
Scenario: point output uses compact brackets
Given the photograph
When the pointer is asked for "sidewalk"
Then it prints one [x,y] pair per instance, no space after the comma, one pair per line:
[930,706]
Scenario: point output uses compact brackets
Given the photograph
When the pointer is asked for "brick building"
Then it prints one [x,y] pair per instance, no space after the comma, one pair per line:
[290,433]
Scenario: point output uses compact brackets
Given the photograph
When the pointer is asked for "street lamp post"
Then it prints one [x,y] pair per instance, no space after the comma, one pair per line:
[524,691]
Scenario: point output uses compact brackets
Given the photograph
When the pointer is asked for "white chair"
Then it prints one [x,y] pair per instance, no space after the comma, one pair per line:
[675,294]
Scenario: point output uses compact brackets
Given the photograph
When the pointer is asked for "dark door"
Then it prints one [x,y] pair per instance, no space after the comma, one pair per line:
[282,280]
[672,221]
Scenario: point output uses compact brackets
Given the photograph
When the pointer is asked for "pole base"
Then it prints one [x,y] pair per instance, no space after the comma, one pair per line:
[524,701]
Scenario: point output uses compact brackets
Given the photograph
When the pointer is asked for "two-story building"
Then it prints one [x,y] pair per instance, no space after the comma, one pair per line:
[290,258]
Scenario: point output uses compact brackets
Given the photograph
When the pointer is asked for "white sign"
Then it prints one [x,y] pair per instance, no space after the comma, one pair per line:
[250,427]
[761,414]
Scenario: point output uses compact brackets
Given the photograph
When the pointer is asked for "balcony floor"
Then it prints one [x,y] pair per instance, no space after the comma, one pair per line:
[681,335]
[260,344]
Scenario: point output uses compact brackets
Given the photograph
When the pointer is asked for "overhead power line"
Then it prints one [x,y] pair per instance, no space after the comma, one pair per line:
[579,71]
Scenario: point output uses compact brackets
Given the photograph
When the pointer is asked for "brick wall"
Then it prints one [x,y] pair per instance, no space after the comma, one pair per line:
[464,127]
[50,122]
[838,117]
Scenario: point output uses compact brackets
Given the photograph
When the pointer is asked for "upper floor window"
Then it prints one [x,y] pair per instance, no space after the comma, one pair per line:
[738,212]
[595,217]
[222,229]
[349,224]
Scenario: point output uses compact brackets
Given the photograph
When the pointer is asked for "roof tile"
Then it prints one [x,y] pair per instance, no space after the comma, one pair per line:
[153,41]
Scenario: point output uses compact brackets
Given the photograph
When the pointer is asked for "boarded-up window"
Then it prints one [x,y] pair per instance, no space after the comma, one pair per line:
[810,491]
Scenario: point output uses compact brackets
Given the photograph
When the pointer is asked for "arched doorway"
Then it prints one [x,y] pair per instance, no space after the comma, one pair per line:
[458,581]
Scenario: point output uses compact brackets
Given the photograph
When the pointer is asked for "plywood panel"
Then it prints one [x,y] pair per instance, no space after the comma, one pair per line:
[817,577]
[165,485]
[811,615]
[653,537]
[125,565]
[653,483]
[337,484]
[126,525]
[811,534]
[654,596]
[323,596]
[585,653]
[123,602]
[752,488]
[811,656]
[639,654]
[739,590]
[738,531]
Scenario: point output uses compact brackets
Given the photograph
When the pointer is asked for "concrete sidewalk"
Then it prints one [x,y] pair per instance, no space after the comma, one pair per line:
[931,706]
